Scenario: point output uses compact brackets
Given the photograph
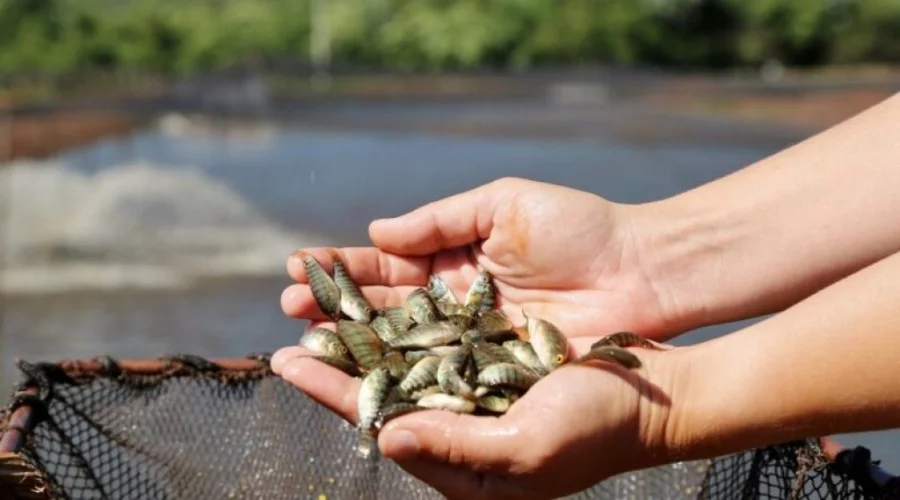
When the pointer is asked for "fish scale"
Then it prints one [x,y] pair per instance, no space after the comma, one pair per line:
[362,342]
[324,290]
[428,335]
[373,392]
[422,374]
[352,301]
[421,308]
[507,374]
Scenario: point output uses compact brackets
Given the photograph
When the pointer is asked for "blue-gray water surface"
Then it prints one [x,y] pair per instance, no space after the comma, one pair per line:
[273,189]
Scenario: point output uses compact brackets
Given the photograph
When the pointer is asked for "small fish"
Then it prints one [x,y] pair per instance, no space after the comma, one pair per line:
[444,350]
[507,374]
[396,364]
[439,290]
[448,309]
[362,342]
[324,290]
[472,336]
[428,335]
[495,326]
[548,342]
[485,354]
[421,308]
[393,411]
[383,328]
[612,354]
[342,364]
[396,395]
[493,403]
[510,393]
[398,318]
[324,341]
[627,339]
[480,296]
[420,393]
[373,392]
[448,402]
[353,303]
[525,355]
[450,373]
[414,356]
[422,374]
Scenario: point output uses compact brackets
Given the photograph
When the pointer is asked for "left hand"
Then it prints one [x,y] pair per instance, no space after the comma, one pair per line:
[574,428]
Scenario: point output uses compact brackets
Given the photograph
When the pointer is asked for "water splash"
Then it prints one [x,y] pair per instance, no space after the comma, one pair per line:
[135,225]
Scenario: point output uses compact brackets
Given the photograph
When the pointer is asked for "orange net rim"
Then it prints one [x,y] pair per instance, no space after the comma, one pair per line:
[19,419]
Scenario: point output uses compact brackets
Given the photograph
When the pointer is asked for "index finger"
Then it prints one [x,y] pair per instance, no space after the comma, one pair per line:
[365,265]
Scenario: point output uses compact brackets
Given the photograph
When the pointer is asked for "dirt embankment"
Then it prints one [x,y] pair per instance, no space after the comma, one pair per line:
[43,135]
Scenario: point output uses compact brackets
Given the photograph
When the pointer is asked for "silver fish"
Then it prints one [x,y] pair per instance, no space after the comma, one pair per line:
[353,303]
[422,374]
[495,326]
[428,335]
[396,364]
[507,374]
[439,290]
[450,373]
[324,341]
[494,403]
[612,354]
[383,328]
[342,364]
[362,342]
[324,290]
[627,339]
[548,342]
[398,317]
[393,411]
[525,355]
[480,295]
[420,393]
[421,308]
[373,392]
[448,402]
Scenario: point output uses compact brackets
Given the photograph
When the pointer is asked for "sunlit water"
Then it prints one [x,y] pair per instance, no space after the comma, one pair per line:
[174,239]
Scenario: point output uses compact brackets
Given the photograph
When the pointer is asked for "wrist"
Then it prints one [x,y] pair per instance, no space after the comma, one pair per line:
[681,249]
[720,406]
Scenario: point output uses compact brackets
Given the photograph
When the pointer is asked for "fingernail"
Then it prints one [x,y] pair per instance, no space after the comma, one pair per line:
[402,444]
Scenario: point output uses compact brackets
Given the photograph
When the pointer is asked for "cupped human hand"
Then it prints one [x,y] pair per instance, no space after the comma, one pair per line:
[567,256]
[579,425]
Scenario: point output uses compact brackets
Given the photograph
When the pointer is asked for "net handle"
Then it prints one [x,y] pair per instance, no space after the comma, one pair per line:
[20,424]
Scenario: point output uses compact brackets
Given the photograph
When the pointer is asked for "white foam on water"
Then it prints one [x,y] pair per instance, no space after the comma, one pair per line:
[137,225]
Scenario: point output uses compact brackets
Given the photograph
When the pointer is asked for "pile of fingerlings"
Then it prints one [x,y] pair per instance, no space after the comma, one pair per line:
[435,352]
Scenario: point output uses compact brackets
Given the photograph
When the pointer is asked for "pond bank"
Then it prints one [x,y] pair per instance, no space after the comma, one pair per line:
[797,106]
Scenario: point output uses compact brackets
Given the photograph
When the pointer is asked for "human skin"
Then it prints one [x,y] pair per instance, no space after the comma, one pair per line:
[751,243]
[821,367]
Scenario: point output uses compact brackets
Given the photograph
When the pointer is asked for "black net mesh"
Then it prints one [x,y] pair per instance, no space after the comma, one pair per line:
[189,429]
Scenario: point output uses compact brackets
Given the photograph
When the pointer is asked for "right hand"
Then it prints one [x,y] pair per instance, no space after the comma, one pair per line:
[566,256]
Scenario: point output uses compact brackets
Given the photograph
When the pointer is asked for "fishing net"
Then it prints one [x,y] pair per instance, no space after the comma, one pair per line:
[185,427]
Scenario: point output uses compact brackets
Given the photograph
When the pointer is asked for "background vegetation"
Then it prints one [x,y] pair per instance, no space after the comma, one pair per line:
[178,37]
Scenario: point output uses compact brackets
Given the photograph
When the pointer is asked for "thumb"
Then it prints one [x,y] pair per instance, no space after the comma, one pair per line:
[451,222]
[479,444]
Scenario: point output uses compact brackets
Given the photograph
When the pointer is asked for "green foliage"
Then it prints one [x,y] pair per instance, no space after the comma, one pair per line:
[182,36]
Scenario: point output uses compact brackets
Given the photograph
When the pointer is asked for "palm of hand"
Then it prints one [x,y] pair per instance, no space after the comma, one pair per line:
[555,253]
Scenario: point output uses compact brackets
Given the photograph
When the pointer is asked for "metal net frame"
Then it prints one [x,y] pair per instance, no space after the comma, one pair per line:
[187,427]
